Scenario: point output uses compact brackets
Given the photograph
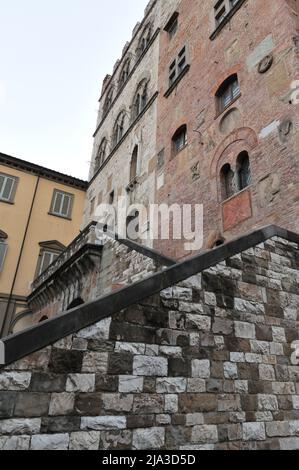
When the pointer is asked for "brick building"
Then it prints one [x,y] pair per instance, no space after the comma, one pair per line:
[227,126]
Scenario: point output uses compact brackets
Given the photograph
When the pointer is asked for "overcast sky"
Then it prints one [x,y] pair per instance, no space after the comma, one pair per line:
[54,55]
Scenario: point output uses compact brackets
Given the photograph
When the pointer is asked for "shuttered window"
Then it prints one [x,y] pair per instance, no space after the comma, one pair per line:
[47,258]
[62,204]
[7,187]
[3,250]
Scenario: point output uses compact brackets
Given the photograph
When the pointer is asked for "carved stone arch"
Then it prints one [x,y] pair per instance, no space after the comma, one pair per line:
[242,139]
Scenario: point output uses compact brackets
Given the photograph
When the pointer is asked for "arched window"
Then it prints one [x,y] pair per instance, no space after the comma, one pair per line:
[243,171]
[134,162]
[179,140]
[108,101]
[119,129]
[227,178]
[140,99]
[144,40]
[124,74]
[101,155]
[3,248]
[227,92]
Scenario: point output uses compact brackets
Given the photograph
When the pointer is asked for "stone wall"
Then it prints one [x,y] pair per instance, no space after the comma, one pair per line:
[111,266]
[205,364]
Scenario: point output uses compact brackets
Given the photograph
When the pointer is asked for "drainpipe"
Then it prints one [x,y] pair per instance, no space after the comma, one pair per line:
[6,315]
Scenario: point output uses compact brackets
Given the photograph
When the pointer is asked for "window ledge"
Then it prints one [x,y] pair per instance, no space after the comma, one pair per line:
[7,202]
[175,154]
[220,113]
[60,216]
[248,188]
[226,19]
[176,82]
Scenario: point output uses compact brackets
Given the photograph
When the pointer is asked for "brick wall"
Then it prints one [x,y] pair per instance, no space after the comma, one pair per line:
[256,122]
[205,364]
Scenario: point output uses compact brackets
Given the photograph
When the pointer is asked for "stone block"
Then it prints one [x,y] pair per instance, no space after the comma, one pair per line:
[196,385]
[106,383]
[95,362]
[121,364]
[61,404]
[267,403]
[43,382]
[237,357]
[117,402]
[65,362]
[14,442]
[132,348]
[278,334]
[130,384]
[278,429]
[100,423]
[116,440]
[171,403]
[245,330]
[205,434]
[289,443]
[150,366]
[14,381]
[230,370]
[171,385]
[267,372]
[84,440]
[7,404]
[254,432]
[170,351]
[88,404]
[60,424]
[149,404]
[80,383]
[153,438]
[198,322]
[197,403]
[223,326]
[194,419]
[284,388]
[20,426]
[201,369]
[32,405]
[50,442]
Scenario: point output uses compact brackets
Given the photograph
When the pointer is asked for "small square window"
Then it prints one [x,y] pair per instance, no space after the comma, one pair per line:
[62,204]
[172,25]
[178,66]
[179,140]
[111,198]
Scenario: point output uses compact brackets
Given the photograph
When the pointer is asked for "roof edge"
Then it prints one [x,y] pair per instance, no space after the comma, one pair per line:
[44,172]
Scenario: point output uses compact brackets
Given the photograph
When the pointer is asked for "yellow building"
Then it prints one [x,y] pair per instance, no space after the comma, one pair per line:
[40,214]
